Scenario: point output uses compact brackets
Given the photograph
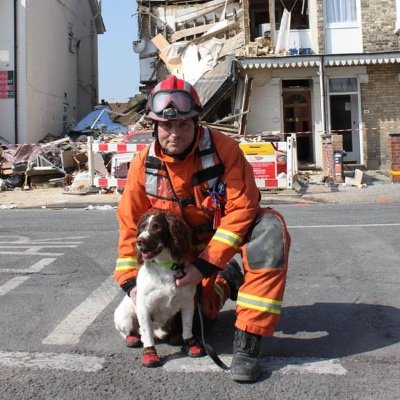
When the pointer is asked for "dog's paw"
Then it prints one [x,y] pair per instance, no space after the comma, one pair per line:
[133,341]
[150,358]
[193,348]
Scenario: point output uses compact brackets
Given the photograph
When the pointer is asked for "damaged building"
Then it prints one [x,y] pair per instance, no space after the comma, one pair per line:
[284,66]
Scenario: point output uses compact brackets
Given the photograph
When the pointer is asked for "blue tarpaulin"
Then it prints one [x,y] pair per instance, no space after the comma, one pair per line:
[99,119]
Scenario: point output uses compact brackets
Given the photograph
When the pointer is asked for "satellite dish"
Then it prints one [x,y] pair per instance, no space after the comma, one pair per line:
[139,46]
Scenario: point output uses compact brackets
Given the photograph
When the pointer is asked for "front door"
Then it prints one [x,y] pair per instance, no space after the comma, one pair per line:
[344,115]
[297,119]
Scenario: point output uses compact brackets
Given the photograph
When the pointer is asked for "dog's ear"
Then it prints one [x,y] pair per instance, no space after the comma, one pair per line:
[139,229]
[181,238]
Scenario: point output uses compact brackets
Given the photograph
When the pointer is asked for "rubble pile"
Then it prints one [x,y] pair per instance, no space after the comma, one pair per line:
[30,165]
[64,161]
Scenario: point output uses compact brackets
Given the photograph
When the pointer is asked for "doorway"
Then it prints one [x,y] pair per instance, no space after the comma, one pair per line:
[297,119]
[344,115]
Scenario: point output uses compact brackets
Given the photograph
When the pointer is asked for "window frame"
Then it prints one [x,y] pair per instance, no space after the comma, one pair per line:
[350,24]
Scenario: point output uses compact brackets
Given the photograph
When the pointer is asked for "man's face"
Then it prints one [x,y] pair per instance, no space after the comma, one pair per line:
[176,136]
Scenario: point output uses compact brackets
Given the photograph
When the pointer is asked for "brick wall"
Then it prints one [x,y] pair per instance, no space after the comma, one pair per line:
[378,20]
[395,155]
[380,97]
[246,21]
[330,145]
[321,27]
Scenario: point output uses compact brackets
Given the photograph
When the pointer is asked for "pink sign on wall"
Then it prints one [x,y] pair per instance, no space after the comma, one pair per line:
[6,84]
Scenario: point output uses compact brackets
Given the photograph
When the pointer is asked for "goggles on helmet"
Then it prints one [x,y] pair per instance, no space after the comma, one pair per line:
[180,100]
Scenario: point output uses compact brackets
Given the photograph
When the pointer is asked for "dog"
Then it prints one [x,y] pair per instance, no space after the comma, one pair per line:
[163,244]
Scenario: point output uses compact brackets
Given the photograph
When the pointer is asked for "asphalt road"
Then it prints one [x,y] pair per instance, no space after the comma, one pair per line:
[338,337]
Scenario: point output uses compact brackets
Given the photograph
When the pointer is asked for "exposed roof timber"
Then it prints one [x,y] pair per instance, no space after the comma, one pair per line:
[146,10]
[232,44]
[229,25]
[195,30]
[206,9]
[315,60]
[175,2]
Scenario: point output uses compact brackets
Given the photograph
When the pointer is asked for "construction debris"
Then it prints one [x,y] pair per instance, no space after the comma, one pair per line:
[357,180]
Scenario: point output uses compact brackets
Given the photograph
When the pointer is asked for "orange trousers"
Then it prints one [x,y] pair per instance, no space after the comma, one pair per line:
[264,256]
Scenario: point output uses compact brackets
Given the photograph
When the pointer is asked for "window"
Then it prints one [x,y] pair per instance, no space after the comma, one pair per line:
[341,11]
[397,28]
[295,83]
[299,13]
[342,85]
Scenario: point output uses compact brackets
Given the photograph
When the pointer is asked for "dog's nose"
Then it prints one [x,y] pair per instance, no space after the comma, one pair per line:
[145,244]
[141,242]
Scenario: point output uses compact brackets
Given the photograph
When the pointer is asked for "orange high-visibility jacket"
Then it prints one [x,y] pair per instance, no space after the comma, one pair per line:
[214,247]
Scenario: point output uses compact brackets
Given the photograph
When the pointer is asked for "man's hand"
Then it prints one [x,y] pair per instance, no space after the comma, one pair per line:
[132,294]
[190,276]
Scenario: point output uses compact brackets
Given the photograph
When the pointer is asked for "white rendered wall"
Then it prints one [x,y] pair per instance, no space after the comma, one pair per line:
[51,75]
[54,64]
[7,64]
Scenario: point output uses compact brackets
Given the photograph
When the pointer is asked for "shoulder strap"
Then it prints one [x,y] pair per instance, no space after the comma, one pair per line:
[211,170]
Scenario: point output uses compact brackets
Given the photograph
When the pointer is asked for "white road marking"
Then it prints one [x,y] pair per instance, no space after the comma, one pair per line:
[33,253]
[301,335]
[37,267]
[72,328]
[68,362]
[343,226]
[26,239]
[25,246]
[33,250]
[12,284]
[18,280]
[304,365]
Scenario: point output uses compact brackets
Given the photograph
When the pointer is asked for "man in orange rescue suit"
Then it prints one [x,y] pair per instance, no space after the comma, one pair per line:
[202,175]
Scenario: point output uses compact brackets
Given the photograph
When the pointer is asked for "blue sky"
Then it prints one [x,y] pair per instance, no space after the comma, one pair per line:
[118,64]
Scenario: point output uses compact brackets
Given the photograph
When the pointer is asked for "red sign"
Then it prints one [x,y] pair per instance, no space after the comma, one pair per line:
[6,84]
[264,170]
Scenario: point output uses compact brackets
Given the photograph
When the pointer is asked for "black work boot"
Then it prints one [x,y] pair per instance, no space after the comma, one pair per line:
[234,277]
[245,365]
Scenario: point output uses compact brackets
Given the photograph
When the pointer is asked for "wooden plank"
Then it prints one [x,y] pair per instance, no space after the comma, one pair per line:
[272,20]
[230,45]
[245,105]
[162,45]
[195,30]
[203,10]
[230,25]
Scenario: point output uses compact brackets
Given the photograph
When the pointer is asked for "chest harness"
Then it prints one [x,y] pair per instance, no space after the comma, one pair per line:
[159,185]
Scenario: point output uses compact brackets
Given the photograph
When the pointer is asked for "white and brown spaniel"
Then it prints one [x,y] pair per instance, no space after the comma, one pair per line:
[163,245]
